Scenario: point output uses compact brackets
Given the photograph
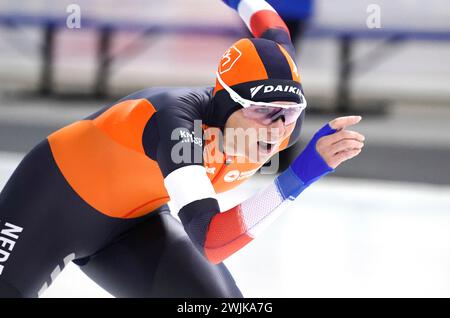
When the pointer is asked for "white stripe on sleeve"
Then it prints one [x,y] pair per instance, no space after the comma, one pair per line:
[247,8]
[188,184]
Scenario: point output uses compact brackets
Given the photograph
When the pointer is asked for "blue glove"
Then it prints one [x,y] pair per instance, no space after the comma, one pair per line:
[307,168]
[232,3]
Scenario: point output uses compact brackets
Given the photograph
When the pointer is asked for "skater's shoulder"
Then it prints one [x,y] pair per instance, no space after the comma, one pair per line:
[166,96]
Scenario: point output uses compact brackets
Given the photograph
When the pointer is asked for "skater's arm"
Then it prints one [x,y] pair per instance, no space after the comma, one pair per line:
[220,234]
[263,21]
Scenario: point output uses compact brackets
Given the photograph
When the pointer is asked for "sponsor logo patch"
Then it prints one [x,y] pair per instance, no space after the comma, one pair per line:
[229,58]
[255,90]
[9,235]
[235,175]
[190,138]
[264,89]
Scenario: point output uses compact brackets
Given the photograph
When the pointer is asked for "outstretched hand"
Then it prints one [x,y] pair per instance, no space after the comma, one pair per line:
[343,144]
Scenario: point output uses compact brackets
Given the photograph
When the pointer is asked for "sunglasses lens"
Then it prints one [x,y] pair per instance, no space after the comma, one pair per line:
[259,112]
[291,115]
[267,114]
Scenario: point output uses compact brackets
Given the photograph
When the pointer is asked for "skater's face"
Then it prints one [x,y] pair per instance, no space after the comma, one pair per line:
[251,138]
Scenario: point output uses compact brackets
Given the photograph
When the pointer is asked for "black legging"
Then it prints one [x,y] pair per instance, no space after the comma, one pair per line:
[149,256]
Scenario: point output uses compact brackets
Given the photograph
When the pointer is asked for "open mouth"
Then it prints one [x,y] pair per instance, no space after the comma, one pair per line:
[265,146]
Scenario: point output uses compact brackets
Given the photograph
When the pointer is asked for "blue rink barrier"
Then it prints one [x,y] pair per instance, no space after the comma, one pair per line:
[107,29]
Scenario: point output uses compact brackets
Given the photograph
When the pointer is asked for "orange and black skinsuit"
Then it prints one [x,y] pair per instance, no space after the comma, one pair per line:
[95,192]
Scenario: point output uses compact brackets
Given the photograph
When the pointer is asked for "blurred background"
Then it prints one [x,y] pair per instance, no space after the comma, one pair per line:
[379,226]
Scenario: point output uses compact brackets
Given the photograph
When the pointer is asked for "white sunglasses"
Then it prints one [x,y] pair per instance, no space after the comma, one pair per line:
[249,103]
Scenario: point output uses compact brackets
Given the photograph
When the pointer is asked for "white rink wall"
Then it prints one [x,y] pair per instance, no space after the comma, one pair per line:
[342,238]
